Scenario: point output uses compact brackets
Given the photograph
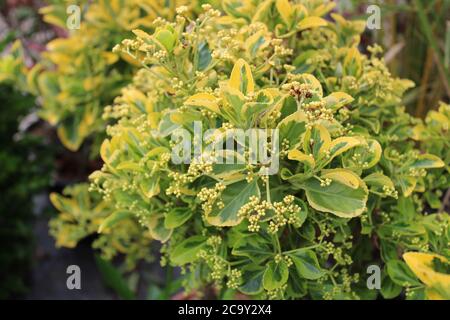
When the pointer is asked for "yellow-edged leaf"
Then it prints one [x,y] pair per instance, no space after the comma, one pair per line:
[339,146]
[286,10]
[422,265]
[311,22]
[205,100]
[241,78]
[337,100]
[428,161]
[315,138]
[344,176]
[300,156]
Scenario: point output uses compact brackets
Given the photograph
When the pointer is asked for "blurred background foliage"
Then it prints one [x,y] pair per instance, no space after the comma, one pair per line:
[416,38]
[26,161]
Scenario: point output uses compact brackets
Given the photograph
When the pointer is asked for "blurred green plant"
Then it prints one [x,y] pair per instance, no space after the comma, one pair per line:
[416,35]
[79,75]
[26,162]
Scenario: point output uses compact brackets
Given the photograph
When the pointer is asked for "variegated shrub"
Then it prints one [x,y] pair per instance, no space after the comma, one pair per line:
[351,189]
[78,74]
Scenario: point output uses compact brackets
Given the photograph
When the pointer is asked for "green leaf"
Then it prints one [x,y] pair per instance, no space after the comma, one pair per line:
[177,217]
[286,11]
[353,62]
[264,100]
[339,198]
[406,208]
[427,161]
[204,56]
[186,251]
[337,100]
[113,278]
[157,229]
[150,187]
[315,140]
[306,263]
[389,289]
[401,274]
[297,287]
[241,77]
[71,132]
[311,22]
[166,38]
[275,275]
[114,218]
[234,197]
[339,146]
[253,281]
[388,250]
[254,247]
[292,129]
[406,184]
[379,180]
[256,42]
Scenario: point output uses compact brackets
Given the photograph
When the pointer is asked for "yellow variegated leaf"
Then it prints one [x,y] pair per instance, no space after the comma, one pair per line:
[256,42]
[150,187]
[188,192]
[311,22]
[300,156]
[105,151]
[298,116]
[32,78]
[241,77]
[376,150]
[238,8]
[344,176]
[153,119]
[407,184]
[130,166]
[131,60]
[346,195]
[370,152]
[323,9]
[419,132]
[205,100]
[312,81]
[438,120]
[422,266]
[286,11]
[166,38]
[314,140]
[379,180]
[300,11]
[428,161]
[262,12]
[420,186]
[264,102]
[142,34]
[114,218]
[157,151]
[337,100]
[183,118]
[353,62]
[70,137]
[64,204]
[157,229]
[339,146]
[110,57]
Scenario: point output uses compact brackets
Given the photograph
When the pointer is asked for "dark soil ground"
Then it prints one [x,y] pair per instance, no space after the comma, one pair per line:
[48,276]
